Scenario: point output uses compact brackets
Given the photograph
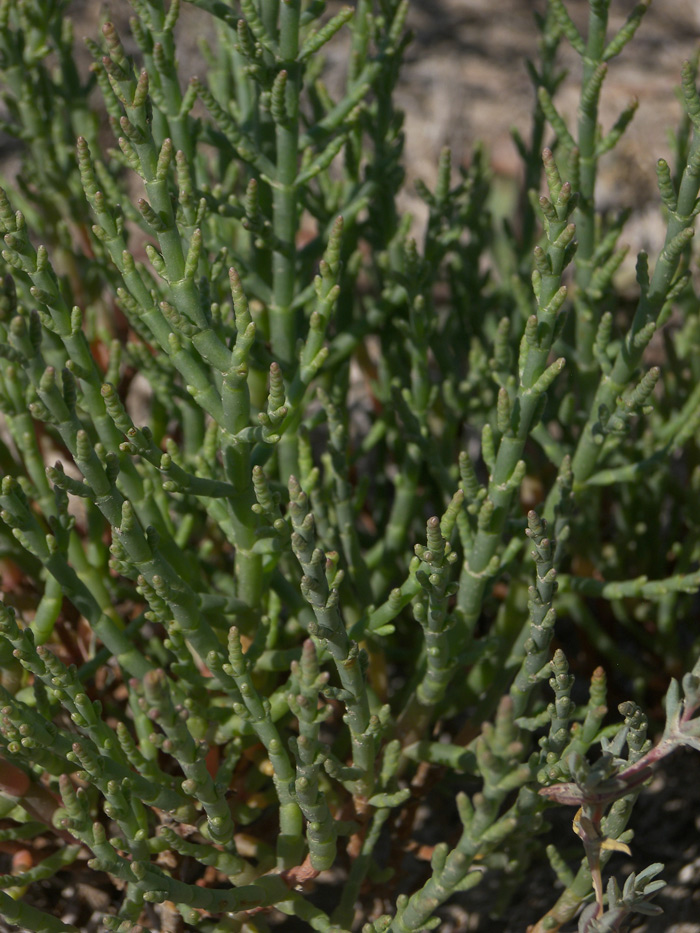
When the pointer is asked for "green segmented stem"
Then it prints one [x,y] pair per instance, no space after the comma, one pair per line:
[535,378]
[629,356]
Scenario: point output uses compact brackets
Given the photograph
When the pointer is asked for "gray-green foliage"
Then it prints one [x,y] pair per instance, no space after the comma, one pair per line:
[261,608]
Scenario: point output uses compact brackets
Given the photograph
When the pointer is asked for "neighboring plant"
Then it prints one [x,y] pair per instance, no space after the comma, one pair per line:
[270,469]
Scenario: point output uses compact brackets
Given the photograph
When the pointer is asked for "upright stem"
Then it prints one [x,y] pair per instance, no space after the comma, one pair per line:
[588,161]
[477,571]
[649,307]
[283,332]
[283,328]
[548,45]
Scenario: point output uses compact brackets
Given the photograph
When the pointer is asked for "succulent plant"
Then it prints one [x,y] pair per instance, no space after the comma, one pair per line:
[271,572]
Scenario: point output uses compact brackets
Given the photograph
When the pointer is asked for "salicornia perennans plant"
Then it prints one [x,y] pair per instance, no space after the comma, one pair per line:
[271,572]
